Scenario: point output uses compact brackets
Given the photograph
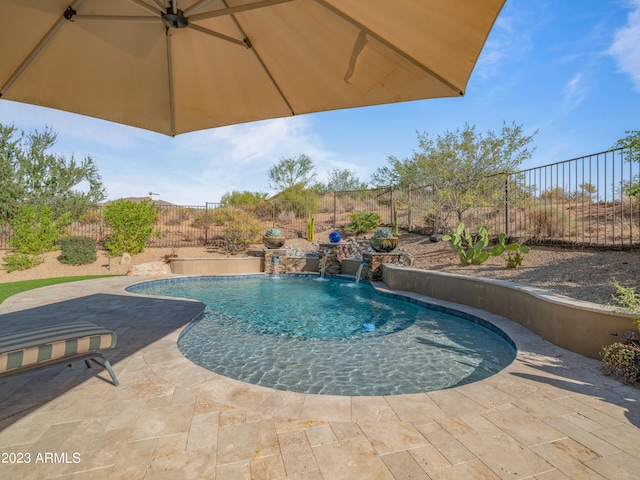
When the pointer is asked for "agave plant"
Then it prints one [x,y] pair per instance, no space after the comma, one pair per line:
[383,232]
[383,240]
[273,233]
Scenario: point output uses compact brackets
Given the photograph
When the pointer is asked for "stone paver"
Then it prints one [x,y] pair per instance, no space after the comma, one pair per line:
[550,415]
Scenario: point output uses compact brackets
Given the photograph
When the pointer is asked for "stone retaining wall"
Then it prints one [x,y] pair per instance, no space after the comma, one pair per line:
[582,327]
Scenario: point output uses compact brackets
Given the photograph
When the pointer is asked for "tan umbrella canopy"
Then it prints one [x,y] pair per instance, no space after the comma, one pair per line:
[184,65]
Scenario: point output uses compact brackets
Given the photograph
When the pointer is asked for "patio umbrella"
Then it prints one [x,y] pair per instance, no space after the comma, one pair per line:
[184,65]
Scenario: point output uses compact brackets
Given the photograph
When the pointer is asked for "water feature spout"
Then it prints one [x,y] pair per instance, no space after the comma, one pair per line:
[323,265]
[276,264]
[359,272]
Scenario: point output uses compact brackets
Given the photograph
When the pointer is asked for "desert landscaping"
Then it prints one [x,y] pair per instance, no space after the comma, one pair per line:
[584,274]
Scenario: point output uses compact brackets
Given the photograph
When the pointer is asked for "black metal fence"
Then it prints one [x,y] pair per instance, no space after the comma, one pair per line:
[585,201]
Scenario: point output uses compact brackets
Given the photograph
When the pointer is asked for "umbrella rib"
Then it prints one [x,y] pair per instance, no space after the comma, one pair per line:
[232,10]
[146,7]
[157,3]
[195,7]
[260,61]
[118,18]
[389,45]
[40,46]
[217,35]
[170,72]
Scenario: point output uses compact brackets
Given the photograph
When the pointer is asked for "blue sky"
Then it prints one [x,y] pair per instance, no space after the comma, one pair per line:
[567,68]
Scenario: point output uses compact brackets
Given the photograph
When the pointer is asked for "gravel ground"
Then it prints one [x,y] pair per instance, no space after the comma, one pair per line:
[582,274]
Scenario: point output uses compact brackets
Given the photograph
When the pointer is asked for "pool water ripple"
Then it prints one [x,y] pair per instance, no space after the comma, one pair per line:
[304,336]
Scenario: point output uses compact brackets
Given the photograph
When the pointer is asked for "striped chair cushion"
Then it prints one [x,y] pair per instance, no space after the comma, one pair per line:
[33,346]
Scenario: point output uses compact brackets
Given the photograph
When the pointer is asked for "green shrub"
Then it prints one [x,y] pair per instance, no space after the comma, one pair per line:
[35,229]
[21,261]
[296,199]
[628,298]
[131,226]
[242,230]
[243,198]
[263,211]
[222,215]
[35,233]
[78,250]
[362,221]
[548,221]
[203,219]
[621,360]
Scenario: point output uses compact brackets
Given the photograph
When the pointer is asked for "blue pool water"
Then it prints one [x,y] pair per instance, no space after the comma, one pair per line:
[300,334]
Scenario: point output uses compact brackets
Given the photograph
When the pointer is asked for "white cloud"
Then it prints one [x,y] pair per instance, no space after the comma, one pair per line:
[510,40]
[575,91]
[626,46]
[266,140]
[198,167]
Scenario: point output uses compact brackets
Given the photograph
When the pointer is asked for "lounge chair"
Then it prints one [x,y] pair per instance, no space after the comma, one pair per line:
[29,348]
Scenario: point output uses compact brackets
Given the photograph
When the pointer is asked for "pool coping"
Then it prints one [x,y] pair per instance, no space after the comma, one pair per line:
[467,314]
[579,326]
[528,344]
[169,414]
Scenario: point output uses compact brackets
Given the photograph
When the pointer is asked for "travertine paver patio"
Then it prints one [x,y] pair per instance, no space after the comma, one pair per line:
[550,415]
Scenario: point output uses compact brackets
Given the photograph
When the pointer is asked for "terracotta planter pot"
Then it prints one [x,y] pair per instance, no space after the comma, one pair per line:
[273,242]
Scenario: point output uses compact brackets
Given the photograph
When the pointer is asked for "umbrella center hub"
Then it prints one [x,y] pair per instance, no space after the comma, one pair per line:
[174,20]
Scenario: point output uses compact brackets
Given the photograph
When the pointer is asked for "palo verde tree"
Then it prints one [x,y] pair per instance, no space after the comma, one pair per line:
[465,168]
[342,180]
[631,142]
[292,171]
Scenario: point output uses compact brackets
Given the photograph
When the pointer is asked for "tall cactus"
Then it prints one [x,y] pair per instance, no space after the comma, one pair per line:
[311,220]
[394,223]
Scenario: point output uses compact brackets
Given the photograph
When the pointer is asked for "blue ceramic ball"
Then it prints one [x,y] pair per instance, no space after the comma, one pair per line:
[368,327]
[334,237]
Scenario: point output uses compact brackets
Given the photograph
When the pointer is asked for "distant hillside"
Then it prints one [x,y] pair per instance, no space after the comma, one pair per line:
[162,203]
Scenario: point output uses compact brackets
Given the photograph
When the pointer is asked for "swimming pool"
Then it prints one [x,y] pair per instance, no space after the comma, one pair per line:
[301,334]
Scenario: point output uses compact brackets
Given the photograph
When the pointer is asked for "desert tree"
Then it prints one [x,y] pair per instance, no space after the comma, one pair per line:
[31,173]
[343,180]
[290,171]
[631,142]
[465,168]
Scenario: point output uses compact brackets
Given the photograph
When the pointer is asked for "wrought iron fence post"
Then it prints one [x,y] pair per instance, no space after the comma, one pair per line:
[273,213]
[409,210]
[335,209]
[206,223]
[391,206]
[306,205]
[507,210]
